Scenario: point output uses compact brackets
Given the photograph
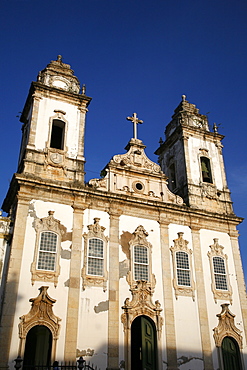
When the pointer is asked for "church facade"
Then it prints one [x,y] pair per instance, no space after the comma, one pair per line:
[139,269]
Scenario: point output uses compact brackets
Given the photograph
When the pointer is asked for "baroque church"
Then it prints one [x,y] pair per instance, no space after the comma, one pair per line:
[139,269]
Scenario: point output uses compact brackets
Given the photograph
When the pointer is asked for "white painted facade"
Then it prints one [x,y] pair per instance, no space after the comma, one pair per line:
[93,315]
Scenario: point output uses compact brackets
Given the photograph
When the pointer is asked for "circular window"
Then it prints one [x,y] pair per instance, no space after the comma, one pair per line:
[138,186]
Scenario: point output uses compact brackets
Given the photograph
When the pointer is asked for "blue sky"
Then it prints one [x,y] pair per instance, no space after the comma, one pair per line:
[134,56]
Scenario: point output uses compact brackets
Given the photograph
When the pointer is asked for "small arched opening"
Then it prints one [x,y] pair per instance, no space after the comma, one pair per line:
[38,347]
[143,344]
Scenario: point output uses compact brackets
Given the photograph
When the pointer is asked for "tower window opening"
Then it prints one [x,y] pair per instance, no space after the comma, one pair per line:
[206,170]
[57,134]
[172,177]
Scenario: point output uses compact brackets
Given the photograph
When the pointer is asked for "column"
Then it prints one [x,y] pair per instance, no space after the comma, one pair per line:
[114,315]
[206,332]
[11,288]
[168,297]
[74,287]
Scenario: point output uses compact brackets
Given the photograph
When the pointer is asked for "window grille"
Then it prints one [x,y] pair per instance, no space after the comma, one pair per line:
[140,263]
[183,269]
[95,257]
[220,273]
[47,251]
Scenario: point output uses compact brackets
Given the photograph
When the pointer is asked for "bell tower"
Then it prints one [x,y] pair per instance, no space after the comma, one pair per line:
[191,157]
[53,125]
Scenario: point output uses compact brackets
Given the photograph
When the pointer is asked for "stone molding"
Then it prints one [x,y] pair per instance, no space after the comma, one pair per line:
[182,245]
[226,327]
[139,237]
[47,224]
[41,313]
[217,251]
[136,158]
[95,231]
[141,304]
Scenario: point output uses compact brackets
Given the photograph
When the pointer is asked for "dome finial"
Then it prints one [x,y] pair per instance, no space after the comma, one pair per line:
[183,97]
[59,58]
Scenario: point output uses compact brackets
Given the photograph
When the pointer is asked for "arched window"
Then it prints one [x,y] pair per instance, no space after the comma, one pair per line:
[220,286]
[220,273]
[95,265]
[141,263]
[140,252]
[183,268]
[45,264]
[206,170]
[94,271]
[57,134]
[47,251]
[183,281]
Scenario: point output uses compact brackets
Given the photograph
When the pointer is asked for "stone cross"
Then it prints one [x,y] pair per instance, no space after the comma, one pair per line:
[135,121]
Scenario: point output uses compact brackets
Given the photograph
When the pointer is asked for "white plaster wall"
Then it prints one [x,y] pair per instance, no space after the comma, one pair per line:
[39,209]
[213,308]
[93,312]
[72,116]
[194,144]
[187,327]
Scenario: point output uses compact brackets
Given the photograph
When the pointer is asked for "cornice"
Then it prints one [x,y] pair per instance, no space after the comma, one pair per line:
[45,91]
[86,197]
[183,131]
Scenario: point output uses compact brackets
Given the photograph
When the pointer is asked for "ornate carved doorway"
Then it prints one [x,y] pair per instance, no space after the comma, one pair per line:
[143,344]
[38,346]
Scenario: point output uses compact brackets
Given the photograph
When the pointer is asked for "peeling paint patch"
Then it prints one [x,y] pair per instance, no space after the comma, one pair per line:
[102,306]
[32,211]
[84,352]
[123,268]
[124,241]
[65,254]
[66,283]
[67,236]
[184,360]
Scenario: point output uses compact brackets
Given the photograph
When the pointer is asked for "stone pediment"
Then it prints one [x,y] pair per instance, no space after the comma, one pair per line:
[135,159]
[134,174]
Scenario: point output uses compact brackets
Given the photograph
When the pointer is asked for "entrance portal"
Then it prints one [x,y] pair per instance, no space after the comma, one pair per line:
[38,346]
[231,354]
[143,344]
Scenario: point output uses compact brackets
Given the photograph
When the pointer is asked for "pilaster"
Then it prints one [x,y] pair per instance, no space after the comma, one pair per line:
[240,277]
[114,315]
[12,283]
[201,298]
[74,287]
[168,297]
[33,120]
[82,111]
